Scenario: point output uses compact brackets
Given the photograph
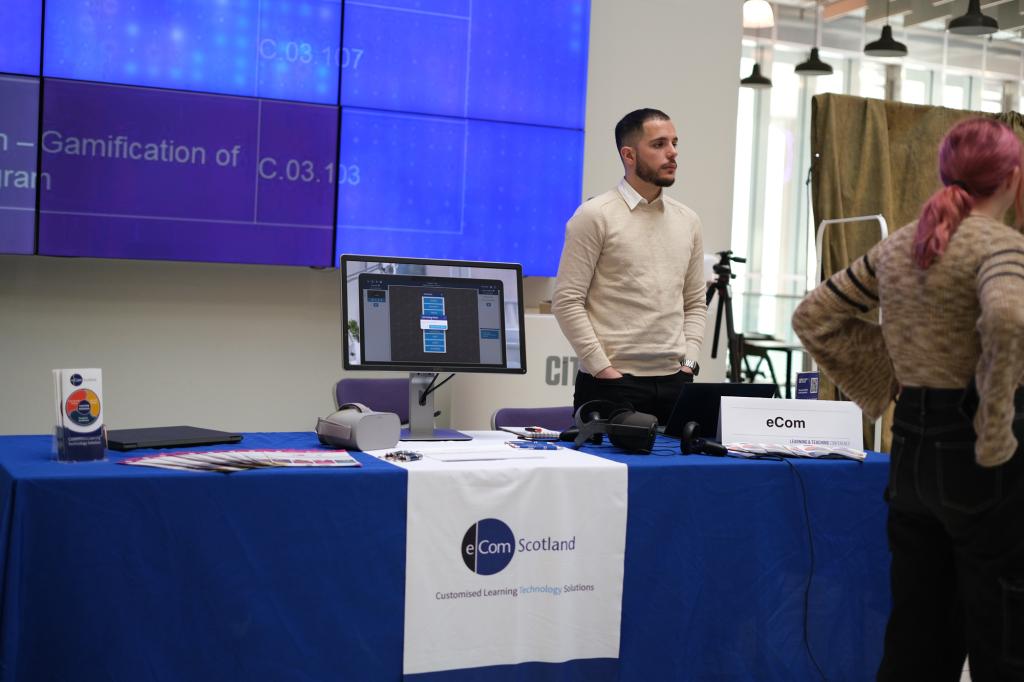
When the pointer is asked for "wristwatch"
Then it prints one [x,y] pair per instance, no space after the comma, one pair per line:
[693,366]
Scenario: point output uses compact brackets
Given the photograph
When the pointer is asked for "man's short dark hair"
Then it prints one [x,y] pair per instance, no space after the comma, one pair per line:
[632,124]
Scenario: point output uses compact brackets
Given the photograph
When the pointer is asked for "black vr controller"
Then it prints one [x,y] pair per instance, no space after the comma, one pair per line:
[690,442]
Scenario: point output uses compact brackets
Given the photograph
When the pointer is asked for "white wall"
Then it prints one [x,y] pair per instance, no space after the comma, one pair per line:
[226,346]
[258,348]
[550,369]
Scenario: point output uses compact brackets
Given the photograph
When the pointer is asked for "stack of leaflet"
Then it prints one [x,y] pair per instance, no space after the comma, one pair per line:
[777,450]
[227,461]
[532,432]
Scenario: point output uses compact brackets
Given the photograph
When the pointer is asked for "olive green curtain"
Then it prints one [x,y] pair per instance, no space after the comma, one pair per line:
[868,157]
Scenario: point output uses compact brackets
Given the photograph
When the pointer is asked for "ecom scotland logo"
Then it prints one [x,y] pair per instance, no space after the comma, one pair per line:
[488,546]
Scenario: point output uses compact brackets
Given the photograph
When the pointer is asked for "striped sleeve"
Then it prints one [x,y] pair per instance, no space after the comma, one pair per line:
[834,327]
[856,286]
[1000,287]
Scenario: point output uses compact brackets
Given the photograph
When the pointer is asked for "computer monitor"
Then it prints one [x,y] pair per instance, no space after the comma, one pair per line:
[426,316]
[702,403]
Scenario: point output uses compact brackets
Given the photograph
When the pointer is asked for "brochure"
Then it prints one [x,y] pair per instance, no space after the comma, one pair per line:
[227,461]
[779,450]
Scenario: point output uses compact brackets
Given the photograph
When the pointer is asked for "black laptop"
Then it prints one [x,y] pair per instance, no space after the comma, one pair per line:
[702,403]
[167,437]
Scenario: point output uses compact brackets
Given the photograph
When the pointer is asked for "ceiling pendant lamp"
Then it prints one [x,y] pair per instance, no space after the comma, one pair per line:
[756,80]
[814,66]
[758,14]
[974,23]
[886,46]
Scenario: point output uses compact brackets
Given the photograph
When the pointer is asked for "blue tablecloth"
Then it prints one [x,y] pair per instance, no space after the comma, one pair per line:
[112,572]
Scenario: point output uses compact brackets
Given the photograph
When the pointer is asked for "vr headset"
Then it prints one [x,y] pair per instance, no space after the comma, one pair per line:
[625,427]
[357,427]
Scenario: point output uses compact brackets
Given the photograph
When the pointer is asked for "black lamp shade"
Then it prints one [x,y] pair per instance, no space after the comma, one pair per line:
[813,66]
[974,23]
[755,79]
[886,46]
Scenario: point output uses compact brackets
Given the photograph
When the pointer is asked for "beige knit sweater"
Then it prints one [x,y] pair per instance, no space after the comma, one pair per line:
[630,291]
[962,317]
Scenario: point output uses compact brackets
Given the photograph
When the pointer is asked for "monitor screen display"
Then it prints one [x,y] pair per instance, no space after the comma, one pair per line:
[422,315]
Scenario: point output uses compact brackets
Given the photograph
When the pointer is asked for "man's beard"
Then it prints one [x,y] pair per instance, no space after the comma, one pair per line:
[649,174]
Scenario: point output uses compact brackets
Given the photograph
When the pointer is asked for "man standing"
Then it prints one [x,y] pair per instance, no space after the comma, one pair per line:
[630,292]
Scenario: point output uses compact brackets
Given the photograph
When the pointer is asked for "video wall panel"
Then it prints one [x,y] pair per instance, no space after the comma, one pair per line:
[530,67]
[406,60]
[480,188]
[283,49]
[189,129]
[19,176]
[20,36]
[488,59]
[519,205]
[146,173]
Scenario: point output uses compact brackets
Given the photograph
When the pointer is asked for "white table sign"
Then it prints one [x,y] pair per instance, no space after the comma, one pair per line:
[829,423]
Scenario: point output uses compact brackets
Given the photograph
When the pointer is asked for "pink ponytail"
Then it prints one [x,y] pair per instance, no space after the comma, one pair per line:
[975,158]
[940,217]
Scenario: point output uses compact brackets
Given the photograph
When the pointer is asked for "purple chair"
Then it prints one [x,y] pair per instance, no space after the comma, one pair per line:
[380,395]
[553,418]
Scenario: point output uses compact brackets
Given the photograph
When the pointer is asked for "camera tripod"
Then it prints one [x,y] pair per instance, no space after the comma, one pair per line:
[724,273]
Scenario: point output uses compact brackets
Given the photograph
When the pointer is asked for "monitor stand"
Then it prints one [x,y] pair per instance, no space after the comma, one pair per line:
[421,412]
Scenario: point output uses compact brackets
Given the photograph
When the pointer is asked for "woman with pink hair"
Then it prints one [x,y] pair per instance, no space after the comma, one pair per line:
[950,349]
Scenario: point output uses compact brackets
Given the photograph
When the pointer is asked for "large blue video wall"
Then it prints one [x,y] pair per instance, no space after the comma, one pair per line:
[291,131]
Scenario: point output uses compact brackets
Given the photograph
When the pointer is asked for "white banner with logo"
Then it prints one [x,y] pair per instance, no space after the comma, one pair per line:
[513,561]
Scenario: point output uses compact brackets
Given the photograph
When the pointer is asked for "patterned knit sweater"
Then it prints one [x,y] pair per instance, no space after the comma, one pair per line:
[630,291]
[961,318]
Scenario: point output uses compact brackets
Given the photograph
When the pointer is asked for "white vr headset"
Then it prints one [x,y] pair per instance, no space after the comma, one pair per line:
[357,427]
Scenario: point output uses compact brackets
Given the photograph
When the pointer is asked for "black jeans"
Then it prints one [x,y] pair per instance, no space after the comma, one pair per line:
[956,533]
[653,395]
